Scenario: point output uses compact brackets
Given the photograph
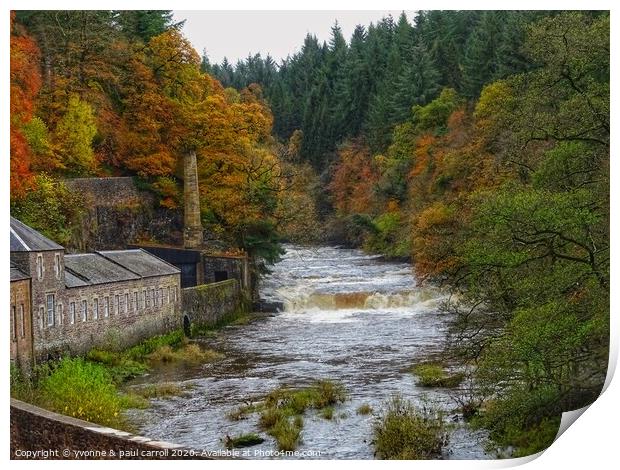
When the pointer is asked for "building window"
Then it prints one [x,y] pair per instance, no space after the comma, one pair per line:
[135,301]
[39,266]
[72,313]
[106,307]
[117,301]
[22,326]
[96,309]
[14,320]
[168,295]
[126,306]
[50,300]
[57,268]
[84,310]
[161,295]
[154,298]
[176,294]
[147,300]
[60,316]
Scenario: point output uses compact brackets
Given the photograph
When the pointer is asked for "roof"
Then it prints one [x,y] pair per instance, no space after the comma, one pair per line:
[92,268]
[24,238]
[73,280]
[17,274]
[103,267]
[141,262]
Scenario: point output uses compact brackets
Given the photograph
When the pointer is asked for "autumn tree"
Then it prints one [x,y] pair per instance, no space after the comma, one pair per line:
[25,84]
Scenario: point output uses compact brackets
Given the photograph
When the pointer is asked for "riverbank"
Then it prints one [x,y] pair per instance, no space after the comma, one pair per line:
[91,387]
[350,319]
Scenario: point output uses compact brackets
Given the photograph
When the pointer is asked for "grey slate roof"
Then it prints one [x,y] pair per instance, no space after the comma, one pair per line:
[24,238]
[93,268]
[17,274]
[72,280]
[141,262]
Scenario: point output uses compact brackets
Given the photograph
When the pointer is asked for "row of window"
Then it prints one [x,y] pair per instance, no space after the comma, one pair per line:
[104,306]
[17,315]
[41,266]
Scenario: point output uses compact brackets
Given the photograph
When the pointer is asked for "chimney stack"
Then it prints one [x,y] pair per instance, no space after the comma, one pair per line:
[192,233]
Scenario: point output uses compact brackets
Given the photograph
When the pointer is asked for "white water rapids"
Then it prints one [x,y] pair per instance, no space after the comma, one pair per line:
[348,317]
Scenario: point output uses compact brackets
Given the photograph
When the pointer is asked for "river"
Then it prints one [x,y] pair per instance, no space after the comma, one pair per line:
[348,317]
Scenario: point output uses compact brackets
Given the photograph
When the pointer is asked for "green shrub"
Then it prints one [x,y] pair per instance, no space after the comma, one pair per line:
[51,208]
[527,420]
[433,375]
[21,386]
[405,433]
[82,389]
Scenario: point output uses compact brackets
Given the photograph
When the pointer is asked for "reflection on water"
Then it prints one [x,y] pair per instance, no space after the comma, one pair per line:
[349,317]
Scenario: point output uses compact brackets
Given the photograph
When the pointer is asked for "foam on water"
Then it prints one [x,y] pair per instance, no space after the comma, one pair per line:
[348,317]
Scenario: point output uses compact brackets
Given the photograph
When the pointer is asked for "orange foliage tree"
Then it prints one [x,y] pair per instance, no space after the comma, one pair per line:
[25,84]
[353,179]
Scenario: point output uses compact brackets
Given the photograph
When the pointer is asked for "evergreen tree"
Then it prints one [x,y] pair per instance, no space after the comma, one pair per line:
[145,24]
[480,63]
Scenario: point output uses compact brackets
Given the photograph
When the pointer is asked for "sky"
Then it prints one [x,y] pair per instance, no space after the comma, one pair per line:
[235,34]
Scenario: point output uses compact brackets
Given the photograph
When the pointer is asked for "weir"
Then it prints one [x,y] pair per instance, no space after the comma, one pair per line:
[349,318]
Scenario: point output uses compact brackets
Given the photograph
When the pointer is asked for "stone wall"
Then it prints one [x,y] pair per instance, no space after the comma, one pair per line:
[207,304]
[124,325]
[119,213]
[21,326]
[40,434]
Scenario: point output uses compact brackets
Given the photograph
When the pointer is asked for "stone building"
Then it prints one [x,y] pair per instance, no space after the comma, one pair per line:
[80,301]
[20,319]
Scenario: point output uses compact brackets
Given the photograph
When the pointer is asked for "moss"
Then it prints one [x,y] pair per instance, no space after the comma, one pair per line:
[244,440]
[240,316]
[433,375]
[404,433]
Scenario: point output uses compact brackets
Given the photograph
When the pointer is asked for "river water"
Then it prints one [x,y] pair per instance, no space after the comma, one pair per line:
[348,317]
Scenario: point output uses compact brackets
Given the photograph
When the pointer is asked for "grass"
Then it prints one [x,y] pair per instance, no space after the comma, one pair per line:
[320,395]
[82,389]
[282,409]
[242,412]
[244,440]
[191,353]
[403,432]
[287,433]
[327,413]
[171,347]
[87,388]
[433,375]
[159,390]
[364,409]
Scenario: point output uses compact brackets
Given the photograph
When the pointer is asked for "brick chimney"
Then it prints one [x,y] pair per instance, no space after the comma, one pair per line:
[192,232]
